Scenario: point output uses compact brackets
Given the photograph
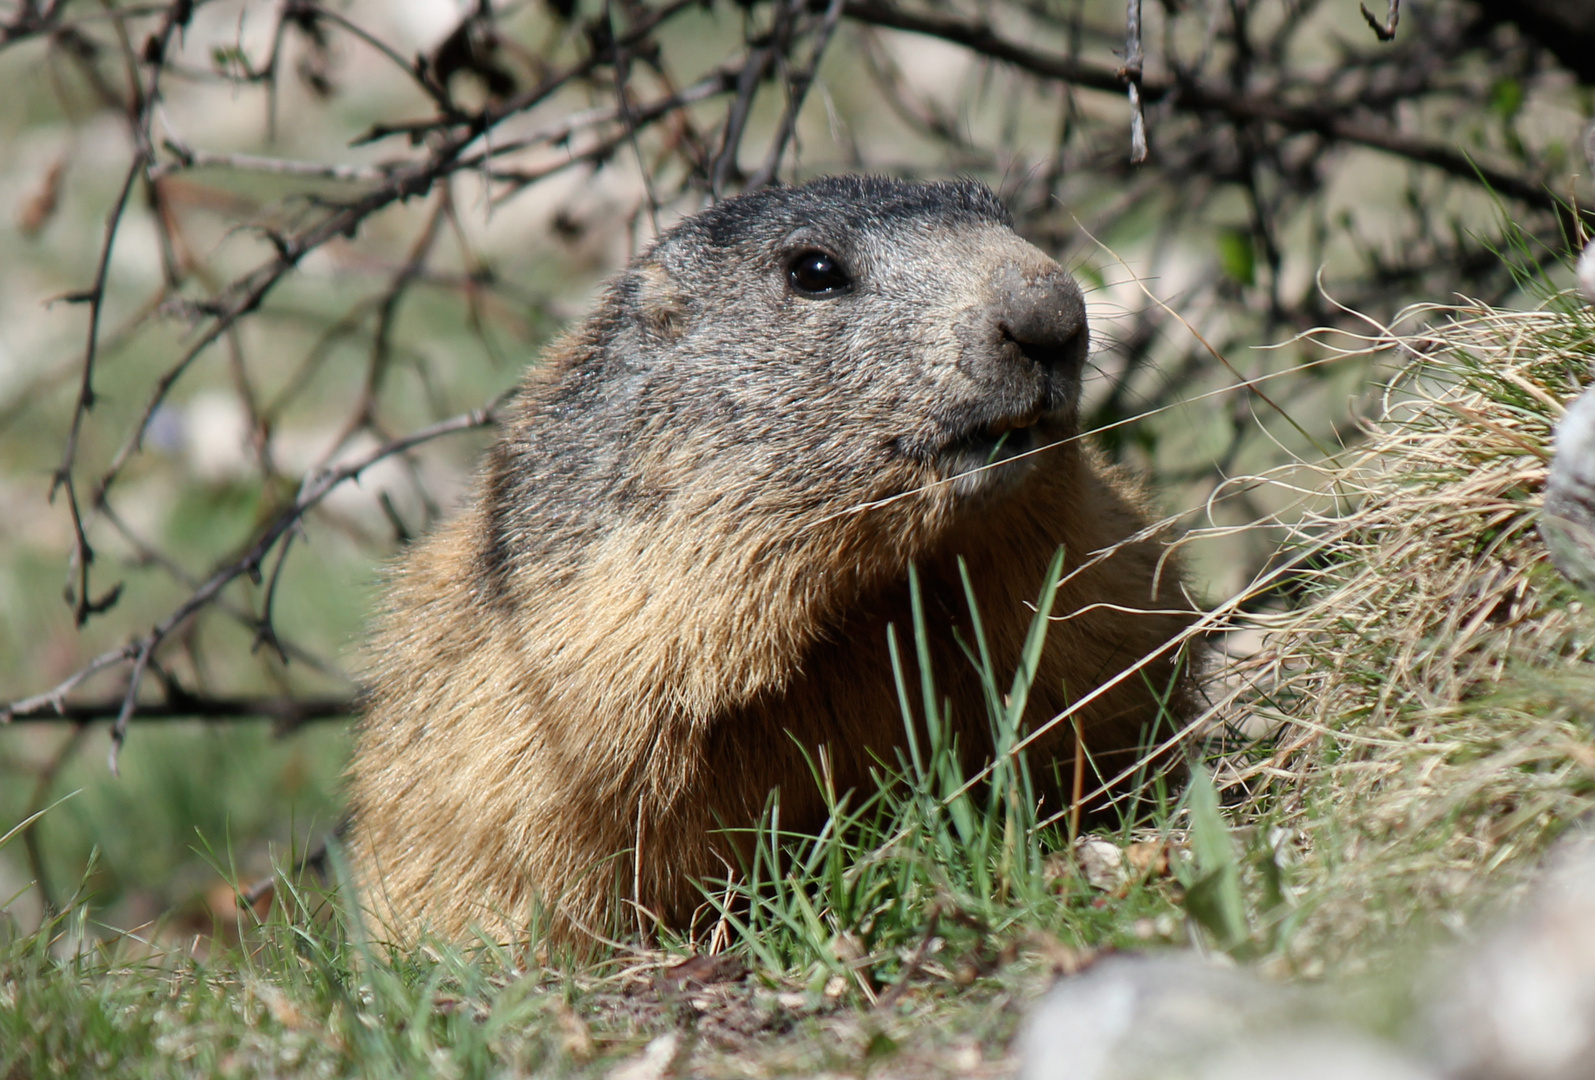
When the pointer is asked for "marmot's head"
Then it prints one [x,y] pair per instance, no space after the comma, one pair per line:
[896,320]
[792,353]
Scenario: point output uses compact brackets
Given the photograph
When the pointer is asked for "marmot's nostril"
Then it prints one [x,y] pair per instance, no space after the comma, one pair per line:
[1049,351]
[1043,314]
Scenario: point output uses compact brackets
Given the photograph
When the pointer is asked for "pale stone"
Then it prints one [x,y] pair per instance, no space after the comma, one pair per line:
[1521,1006]
[1101,862]
[1146,1017]
[1567,519]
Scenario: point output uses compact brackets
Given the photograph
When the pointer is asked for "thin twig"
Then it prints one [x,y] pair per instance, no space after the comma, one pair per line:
[142,650]
[754,68]
[185,159]
[1328,118]
[82,553]
[33,815]
[286,712]
[1387,30]
[798,85]
[1132,75]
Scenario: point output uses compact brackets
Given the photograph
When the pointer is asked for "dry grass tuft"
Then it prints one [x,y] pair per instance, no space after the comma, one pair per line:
[1420,710]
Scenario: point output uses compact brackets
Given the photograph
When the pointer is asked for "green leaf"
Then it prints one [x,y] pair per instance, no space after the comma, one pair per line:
[1090,274]
[35,816]
[1214,899]
[880,1045]
[1030,658]
[1506,98]
[1237,256]
[1205,902]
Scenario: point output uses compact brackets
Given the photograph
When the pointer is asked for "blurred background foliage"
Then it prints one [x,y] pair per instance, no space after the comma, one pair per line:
[295,234]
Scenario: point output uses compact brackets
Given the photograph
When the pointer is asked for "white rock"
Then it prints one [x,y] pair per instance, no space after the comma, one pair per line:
[654,1061]
[1522,1005]
[1586,272]
[1322,1054]
[1586,261]
[1101,862]
[1567,518]
[1146,1017]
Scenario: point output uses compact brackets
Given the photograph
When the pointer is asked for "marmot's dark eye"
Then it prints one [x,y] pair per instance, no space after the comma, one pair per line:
[817,273]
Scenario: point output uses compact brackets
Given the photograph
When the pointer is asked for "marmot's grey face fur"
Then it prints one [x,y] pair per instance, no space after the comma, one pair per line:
[787,359]
[954,347]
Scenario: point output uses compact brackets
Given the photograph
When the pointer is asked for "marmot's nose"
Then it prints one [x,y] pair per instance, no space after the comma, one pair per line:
[1041,310]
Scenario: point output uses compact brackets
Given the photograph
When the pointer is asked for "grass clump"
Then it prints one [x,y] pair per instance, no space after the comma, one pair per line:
[934,871]
[1425,702]
[302,997]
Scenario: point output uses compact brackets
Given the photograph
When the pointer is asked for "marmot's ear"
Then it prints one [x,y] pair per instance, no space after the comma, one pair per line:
[661,307]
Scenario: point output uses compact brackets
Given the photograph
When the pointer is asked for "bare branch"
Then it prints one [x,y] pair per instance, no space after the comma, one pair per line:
[1385,31]
[287,713]
[141,651]
[187,159]
[1132,75]
[82,553]
[758,62]
[798,84]
[1328,118]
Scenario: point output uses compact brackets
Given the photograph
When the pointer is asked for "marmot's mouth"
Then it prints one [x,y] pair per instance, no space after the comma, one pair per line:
[982,455]
[973,456]
[998,428]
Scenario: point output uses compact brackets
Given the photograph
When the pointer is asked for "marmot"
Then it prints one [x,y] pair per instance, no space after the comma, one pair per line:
[674,581]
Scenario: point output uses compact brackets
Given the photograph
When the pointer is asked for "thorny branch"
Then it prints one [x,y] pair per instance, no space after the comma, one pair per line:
[140,651]
[511,104]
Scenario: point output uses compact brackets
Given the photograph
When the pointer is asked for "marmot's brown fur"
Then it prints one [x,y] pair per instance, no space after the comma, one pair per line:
[676,575]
